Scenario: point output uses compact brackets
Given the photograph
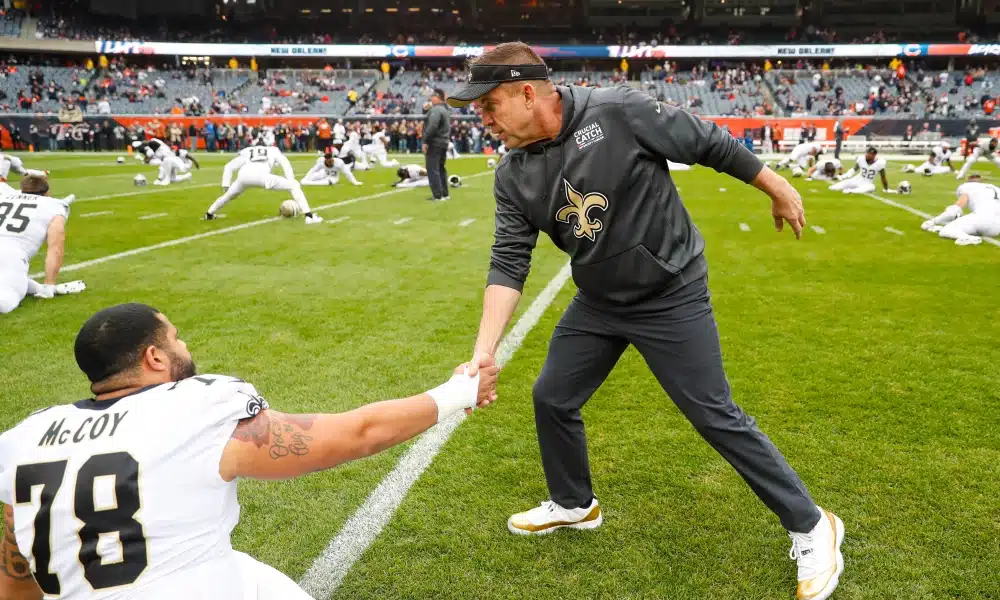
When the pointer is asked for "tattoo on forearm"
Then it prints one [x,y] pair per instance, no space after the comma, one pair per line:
[12,565]
[283,435]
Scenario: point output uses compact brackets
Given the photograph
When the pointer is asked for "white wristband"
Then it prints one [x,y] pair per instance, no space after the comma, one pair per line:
[456,394]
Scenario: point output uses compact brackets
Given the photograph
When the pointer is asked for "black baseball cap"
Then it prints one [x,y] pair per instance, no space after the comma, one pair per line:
[483,79]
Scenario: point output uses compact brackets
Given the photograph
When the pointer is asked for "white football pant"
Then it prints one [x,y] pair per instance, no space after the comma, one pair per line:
[802,162]
[264,582]
[968,165]
[934,169]
[172,170]
[261,178]
[378,154]
[413,183]
[15,283]
[854,185]
[972,224]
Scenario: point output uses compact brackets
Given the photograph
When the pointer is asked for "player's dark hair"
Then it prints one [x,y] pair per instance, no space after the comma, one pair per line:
[35,184]
[401,172]
[975,177]
[871,150]
[114,340]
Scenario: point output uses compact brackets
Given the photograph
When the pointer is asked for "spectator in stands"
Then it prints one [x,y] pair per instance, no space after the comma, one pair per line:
[208,132]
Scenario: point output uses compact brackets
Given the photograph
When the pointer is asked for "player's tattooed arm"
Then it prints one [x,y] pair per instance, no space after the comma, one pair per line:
[283,435]
[16,580]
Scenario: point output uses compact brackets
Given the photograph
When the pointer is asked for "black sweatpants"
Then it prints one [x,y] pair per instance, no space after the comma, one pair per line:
[437,175]
[677,336]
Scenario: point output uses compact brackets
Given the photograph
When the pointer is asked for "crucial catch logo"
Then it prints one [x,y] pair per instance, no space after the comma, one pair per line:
[588,135]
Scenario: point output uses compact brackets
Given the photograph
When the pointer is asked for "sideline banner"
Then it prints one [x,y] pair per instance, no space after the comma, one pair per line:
[777,51]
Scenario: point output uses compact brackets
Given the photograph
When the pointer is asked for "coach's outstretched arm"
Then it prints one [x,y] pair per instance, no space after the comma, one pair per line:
[681,137]
[274,445]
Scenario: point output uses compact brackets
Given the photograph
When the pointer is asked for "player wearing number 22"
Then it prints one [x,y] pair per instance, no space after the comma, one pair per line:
[132,494]
[28,220]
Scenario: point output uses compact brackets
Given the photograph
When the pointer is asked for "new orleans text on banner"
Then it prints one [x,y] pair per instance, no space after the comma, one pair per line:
[640,52]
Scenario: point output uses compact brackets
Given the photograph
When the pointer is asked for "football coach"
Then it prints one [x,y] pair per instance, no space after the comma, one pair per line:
[589,168]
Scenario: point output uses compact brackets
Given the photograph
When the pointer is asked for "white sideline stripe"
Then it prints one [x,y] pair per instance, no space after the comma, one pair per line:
[818,229]
[744,227]
[97,214]
[153,216]
[894,230]
[921,213]
[337,220]
[207,234]
[402,221]
[360,531]
[466,222]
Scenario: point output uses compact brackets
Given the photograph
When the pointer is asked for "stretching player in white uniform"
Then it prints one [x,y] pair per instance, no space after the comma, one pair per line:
[938,163]
[173,168]
[353,147]
[452,151]
[983,219]
[327,171]
[990,151]
[255,164]
[411,176]
[27,220]
[861,178]
[376,150]
[825,170]
[133,494]
[801,155]
[10,163]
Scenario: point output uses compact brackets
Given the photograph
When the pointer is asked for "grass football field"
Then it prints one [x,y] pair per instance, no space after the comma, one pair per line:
[869,351]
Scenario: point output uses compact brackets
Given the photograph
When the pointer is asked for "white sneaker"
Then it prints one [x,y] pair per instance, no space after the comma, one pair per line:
[70,287]
[969,240]
[550,516]
[314,219]
[819,558]
[158,182]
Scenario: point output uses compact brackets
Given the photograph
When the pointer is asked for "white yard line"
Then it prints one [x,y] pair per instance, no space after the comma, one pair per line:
[360,531]
[818,229]
[920,213]
[466,222]
[153,216]
[158,190]
[894,230]
[402,221]
[744,227]
[97,214]
[337,220]
[224,230]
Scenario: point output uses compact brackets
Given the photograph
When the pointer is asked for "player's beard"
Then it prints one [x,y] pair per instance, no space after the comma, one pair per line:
[181,369]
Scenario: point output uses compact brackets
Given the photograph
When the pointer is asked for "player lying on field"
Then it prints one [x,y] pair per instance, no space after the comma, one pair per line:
[937,163]
[991,151]
[825,170]
[328,169]
[983,202]
[28,219]
[132,493]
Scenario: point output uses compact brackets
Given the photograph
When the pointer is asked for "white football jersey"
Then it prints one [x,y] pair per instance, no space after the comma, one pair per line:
[24,222]
[984,198]
[803,150]
[380,139]
[867,171]
[159,149]
[257,155]
[413,171]
[939,155]
[123,499]
[983,150]
[332,171]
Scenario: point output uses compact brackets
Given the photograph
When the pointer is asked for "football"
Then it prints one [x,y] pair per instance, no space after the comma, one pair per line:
[491,163]
[904,187]
[120,159]
[288,209]
[797,172]
[139,179]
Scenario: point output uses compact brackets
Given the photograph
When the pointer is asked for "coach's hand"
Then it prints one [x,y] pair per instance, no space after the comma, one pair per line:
[484,362]
[425,148]
[786,203]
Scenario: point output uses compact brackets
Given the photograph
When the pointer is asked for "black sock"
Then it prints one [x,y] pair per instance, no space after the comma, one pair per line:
[309,214]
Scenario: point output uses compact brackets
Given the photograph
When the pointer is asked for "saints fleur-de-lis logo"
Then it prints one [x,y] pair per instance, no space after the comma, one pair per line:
[579,206]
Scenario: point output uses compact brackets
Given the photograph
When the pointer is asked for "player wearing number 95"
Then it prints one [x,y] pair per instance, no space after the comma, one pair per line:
[132,494]
[28,220]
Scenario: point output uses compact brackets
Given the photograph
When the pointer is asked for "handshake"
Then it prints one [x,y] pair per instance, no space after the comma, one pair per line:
[472,385]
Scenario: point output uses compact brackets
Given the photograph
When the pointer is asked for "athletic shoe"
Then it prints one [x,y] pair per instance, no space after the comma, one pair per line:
[819,558]
[210,217]
[70,287]
[314,219]
[969,240]
[550,516]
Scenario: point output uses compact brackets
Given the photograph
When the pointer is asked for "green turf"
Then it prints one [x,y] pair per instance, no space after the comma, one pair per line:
[869,358]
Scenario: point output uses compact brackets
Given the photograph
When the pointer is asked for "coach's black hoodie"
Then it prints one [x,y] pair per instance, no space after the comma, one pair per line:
[602,191]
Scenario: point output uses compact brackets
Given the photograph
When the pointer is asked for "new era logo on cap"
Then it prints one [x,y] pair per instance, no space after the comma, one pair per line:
[514,73]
